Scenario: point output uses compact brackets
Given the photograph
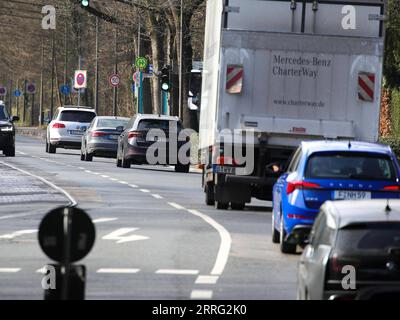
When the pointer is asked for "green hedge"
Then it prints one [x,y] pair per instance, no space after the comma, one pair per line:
[395,112]
[394,143]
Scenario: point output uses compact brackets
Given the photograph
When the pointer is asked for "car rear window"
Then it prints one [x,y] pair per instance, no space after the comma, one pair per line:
[111,123]
[350,165]
[77,116]
[364,237]
[3,113]
[148,124]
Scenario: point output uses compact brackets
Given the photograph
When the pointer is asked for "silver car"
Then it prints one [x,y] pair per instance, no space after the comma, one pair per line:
[353,252]
[67,128]
[101,139]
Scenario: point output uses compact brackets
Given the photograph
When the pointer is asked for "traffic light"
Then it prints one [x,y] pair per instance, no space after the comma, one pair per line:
[165,82]
[85,3]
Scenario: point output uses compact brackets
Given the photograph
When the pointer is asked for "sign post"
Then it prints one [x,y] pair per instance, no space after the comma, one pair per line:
[141,64]
[80,82]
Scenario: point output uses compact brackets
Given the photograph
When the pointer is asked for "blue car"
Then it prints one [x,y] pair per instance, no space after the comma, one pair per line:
[329,170]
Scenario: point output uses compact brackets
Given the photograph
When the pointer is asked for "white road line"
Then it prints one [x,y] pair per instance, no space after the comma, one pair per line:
[133,186]
[17,234]
[117,270]
[145,190]
[12,216]
[225,246]
[157,196]
[206,280]
[177,271]
[100,220]
[201,294]
[104,176]
[88,171]
[81,168]
[10,270]
[23,153]
[123,182]
[113,179]
[176,206]
[96,173]
[72,200]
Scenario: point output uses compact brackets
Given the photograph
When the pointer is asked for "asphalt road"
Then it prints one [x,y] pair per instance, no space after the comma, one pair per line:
[156,239]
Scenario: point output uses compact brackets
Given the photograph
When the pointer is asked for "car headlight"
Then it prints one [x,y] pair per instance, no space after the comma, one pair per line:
[7,129]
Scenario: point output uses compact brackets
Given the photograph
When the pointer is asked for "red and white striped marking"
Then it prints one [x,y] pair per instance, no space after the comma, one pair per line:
[366,86]
[234,79]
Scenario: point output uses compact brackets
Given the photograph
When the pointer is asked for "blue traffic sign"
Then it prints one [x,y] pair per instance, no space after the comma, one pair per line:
[66,90]
[17,93]
[133,87]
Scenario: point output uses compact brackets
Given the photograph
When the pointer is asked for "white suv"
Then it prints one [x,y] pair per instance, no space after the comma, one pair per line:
[67,127]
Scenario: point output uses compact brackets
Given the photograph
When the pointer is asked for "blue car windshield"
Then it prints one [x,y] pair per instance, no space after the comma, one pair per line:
[3,113]
[350,165]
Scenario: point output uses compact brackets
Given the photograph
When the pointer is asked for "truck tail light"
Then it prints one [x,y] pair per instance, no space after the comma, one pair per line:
[226,161]
[58,126]
[295,185]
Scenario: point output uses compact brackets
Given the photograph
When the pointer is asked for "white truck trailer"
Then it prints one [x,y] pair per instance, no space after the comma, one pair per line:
[284,71]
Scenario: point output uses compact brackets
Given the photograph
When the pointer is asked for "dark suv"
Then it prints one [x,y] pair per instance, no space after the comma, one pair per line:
[7,132]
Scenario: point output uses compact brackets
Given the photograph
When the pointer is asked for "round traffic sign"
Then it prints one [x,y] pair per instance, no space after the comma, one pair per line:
[31,88]
[141,63]
[115,80]
[65,90]
[17,93]
[52,234]
[80,79]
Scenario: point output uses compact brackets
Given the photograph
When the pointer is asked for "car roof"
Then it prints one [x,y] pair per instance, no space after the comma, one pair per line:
[76,108]
[157,116]
[357,146]
[346,212]
[112,118]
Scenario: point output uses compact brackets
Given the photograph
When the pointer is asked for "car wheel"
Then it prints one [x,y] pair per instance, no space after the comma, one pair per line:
[9,152]
[285,247]
[119,162]
[47,147]
[238,206]
[82,156]
[221,205]
[209,192]
[88,157]
[184,168]
[125,163]
[275,233]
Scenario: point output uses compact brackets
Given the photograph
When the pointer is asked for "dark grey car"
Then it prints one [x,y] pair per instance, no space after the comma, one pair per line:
[101,138]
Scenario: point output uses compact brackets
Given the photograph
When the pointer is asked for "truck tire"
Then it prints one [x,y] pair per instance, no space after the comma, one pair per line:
[9,151]
[221,205]
[209,193]
[183,168]
[285,247]
[238,206]
[275,233]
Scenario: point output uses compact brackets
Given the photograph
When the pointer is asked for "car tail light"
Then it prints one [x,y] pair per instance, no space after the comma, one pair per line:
[134,134]
[336,265]
[58,126]
[226,161]
[294,185]
[98,134]
[299,216]
[392,188]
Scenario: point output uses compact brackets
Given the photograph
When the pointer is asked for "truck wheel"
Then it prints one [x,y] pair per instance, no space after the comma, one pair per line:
[209,192]
[221,205]
[184,168]
[9,152]
[238,206]
[285,247]
[275,233]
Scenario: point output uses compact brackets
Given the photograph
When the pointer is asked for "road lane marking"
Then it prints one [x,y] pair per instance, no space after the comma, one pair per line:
[10,270]
[121,237]
[206,280]
[104,176]
[133,186]
[225,246]
[201,294]
[123,182]
[88,171]
[52,185]
[176,206]
[177,271]
[96,173]
[113,179]
[17,234]
[117,270]
[101,220]
[145,190]
[157,196]
[81,168]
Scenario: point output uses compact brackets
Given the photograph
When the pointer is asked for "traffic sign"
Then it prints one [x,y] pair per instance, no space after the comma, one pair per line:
[115,80]
[66,234]
[17,93]
[3,91]
[136,77]
[141,63]
[66,90]
[31,88]
[80,79]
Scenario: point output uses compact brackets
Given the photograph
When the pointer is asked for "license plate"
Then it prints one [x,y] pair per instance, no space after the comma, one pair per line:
[351,195]
[113,137]
[76,132]
[224,169]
